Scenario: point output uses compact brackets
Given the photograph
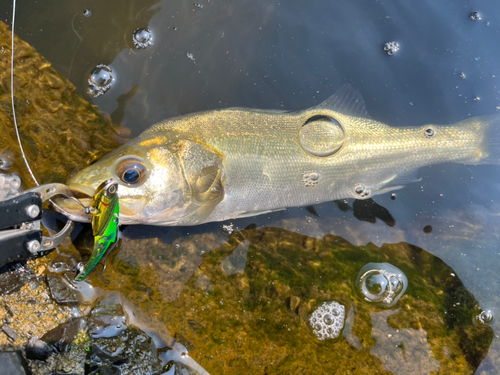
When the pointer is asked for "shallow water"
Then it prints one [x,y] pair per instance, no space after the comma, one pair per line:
[292,56]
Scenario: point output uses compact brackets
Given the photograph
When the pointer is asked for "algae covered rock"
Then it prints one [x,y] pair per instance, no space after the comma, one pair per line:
[255,320]
[60,131]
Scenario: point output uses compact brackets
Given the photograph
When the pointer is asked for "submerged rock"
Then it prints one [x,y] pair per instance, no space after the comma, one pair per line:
[13,363]
[259,318]
[38,349]
[132,353]
[107,318]
[60,292]
[61,337]
[9,332]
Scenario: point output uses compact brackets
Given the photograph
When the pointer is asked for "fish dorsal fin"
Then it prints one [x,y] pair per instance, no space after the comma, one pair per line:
[347,100]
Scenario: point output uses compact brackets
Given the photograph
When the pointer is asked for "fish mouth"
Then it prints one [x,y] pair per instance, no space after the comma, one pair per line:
[73,207]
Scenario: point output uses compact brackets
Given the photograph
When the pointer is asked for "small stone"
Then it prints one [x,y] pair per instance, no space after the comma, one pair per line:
[14,277]
[38,349]
[61,337]
[13,363]
[195,326]
[60,292]
[294,303]
[184,341]
[10,332]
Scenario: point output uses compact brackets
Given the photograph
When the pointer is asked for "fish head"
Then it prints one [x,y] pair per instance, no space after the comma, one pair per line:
[163,179]
[149,178]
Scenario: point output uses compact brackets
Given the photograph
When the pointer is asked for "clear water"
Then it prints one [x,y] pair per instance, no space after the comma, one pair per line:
[292,55]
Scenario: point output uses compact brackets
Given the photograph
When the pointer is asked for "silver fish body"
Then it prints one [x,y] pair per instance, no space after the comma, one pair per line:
[236,162]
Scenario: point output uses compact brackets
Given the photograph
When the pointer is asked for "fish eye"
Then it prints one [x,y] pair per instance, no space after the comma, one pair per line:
[429,132]
[131,171]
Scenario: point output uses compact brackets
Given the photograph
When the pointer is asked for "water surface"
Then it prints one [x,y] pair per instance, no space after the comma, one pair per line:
[293,55]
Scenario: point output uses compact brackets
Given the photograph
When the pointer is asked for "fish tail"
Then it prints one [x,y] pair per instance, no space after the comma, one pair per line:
[491,139]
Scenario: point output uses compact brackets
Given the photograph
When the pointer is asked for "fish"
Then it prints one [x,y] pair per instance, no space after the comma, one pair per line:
[232,163]
[104,210]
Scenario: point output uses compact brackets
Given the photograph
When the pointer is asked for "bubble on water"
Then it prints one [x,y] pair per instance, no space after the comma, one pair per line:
[381,283]
[361,191]
[327,320]
[142,37]
[100,80]
[310,178]
[321,136]
[475,16]
[59,267]
[484,317]
[391,47]
[87,13]
[228,228]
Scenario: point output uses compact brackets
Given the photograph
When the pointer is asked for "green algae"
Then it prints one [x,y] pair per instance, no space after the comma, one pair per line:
[255,321]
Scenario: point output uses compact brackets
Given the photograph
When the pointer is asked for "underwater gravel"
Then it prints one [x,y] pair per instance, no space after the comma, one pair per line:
[30,311]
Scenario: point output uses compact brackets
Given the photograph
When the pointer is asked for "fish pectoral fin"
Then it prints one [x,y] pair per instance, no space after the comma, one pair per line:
[388,189]
[346,100]
[256,213]
[207,183]
[398,181]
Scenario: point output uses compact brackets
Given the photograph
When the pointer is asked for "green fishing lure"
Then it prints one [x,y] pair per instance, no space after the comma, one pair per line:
[105,210]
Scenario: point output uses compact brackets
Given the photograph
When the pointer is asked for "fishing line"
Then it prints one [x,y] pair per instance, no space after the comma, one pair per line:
[12,95]
[14,112]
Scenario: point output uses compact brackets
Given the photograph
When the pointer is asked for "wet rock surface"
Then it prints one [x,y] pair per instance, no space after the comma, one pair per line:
[61,337]
[107,318]
[60,292]
[38,349]
[13,276]
[132,352]
[13,363]
[40,336]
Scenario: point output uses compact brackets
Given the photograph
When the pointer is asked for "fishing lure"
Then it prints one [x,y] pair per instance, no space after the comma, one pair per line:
[105,210]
